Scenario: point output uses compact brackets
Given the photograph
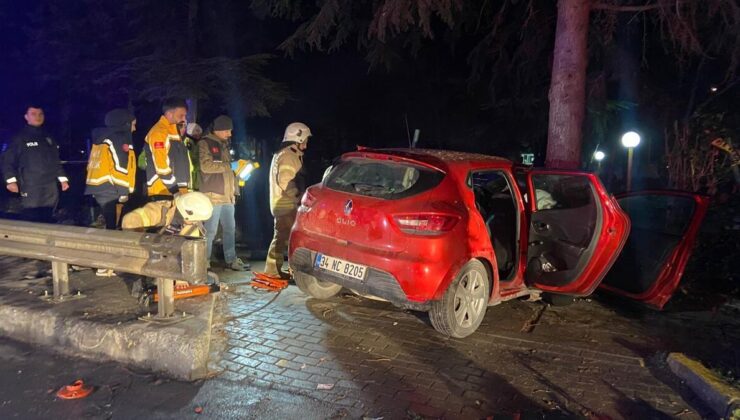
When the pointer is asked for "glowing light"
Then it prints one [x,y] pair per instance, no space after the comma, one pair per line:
[599,155]
[630,139]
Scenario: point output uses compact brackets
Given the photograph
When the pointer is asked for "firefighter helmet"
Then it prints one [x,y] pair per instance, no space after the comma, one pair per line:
[297,132]
[194,206]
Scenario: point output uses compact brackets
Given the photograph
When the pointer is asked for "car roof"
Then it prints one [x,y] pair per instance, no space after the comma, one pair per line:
[436,157]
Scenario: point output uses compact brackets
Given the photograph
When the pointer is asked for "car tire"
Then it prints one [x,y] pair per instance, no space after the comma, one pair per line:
[462,308]
[314,287]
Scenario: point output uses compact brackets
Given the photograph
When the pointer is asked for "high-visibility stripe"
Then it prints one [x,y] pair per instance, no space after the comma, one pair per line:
[154,178]
[114,154]
[145,220]
[107,179]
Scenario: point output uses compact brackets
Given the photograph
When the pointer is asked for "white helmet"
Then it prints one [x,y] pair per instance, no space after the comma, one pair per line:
[194,206]
[297,132]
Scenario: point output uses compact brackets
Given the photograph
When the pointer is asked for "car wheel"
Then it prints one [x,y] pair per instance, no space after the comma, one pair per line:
[462,308]
[314,287]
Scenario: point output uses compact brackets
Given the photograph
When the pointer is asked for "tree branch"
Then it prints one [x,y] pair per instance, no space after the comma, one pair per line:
[616,8]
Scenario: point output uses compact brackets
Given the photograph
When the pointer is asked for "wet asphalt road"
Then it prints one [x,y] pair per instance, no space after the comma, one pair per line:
[31,376]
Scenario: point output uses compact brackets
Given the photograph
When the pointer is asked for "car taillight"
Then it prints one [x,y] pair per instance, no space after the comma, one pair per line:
[425,223]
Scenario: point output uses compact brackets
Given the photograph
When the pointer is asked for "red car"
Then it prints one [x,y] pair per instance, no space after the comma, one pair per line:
[452,233]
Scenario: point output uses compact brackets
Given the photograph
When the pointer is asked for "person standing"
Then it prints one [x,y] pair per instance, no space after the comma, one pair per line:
[32,168]
[111,168]
[168,164]
[218,182]
[193,134]
[285,193]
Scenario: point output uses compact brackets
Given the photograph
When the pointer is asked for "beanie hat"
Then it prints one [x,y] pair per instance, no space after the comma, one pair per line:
[222,122]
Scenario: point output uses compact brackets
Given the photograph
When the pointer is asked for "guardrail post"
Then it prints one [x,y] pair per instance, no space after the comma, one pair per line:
[166,291]
[60,275]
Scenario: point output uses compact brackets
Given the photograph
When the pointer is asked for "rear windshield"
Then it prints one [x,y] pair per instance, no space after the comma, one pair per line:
[382,179]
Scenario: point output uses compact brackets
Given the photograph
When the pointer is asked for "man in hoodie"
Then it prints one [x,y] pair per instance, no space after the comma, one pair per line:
[218,182]
[32,168]
[111,169]
[168,164]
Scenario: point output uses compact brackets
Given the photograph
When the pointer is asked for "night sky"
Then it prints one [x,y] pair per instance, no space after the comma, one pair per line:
[79,59]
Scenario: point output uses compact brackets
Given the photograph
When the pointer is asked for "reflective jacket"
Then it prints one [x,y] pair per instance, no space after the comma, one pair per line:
[32,159]
[162,214]
[111,168]
[168,164]
[284,169]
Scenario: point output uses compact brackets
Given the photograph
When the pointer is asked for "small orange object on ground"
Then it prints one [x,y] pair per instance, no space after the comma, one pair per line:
[267,282]
[77,390]
[187,291]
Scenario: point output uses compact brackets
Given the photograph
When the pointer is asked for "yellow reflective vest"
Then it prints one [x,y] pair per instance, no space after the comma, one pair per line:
[168,163]
[111,169]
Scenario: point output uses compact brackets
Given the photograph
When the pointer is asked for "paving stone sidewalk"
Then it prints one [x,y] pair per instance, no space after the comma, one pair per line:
[379,361]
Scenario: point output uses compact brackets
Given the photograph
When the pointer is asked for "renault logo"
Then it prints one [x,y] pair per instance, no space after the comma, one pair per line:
[348,208]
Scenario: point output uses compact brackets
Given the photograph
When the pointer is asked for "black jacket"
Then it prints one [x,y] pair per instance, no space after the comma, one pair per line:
[32,159]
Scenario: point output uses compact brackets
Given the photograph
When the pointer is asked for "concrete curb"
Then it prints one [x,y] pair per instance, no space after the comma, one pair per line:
[722,398]
[179,350]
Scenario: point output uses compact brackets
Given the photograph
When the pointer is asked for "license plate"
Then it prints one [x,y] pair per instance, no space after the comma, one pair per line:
[345,268]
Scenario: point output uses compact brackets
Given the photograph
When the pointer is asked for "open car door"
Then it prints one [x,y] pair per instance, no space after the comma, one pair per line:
[664,227]
[575,232]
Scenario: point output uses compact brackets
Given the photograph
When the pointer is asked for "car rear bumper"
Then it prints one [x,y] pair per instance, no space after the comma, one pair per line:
[376,282]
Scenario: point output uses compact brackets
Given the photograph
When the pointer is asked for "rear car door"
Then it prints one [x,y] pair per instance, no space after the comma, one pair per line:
[664,228]
[575,231]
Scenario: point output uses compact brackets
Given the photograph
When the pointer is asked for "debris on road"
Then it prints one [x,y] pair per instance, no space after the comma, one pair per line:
[76,390]
[532,322]
[325,387]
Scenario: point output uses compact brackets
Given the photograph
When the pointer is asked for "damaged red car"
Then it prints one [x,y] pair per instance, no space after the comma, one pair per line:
[452,233]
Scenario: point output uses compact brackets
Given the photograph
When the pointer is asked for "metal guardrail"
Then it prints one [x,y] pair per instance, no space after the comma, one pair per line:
[164,257]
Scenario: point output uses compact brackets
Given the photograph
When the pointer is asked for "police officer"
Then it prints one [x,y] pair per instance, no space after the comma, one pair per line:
[32,168]
[285,193]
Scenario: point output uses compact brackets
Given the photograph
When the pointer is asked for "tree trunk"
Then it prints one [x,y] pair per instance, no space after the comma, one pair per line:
[568,85]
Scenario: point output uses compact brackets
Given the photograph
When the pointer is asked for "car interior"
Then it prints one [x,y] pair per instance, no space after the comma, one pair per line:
[659,223]
[563,230]
[496,205]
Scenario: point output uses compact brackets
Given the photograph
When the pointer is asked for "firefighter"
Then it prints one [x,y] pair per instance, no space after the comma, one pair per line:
[168,164]
[285,193]
[182,216]
[32,168]
[218,182]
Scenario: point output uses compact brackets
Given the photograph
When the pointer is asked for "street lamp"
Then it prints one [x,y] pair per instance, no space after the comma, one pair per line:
[598,157]
[630,140]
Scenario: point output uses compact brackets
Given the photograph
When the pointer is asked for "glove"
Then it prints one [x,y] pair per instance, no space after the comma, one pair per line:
[182,190]
[123,199]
